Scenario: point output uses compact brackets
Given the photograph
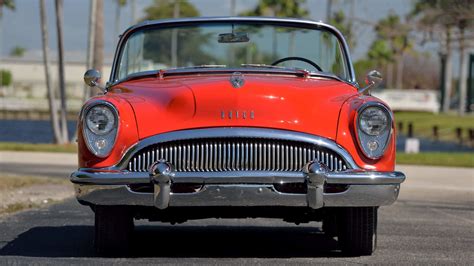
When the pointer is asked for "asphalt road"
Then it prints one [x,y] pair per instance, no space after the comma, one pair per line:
[431,223]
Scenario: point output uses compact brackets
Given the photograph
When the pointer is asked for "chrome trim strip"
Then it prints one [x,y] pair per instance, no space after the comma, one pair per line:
[166,22]
[354,196]
[349,177]
[241,195]
[232,132]
[355,177]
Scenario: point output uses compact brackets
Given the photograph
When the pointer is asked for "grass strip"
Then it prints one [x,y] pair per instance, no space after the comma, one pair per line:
[447,123]
[17,146]
[453,159]
[11,182]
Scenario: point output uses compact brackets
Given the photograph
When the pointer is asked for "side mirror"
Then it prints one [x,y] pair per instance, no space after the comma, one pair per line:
[373,80]
[92,79]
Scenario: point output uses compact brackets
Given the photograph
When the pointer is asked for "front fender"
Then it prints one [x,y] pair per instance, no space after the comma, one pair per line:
[346,136]
[127,134]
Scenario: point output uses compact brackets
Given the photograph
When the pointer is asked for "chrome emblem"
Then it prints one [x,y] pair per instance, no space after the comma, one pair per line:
[237,114]
[237,80]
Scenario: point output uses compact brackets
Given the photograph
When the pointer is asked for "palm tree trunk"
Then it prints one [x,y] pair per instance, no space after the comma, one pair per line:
[400,65]
[232,8]
[98,59]
[117,21]
[174,37]
[390,75]
[447,72]
[51,98]
[133,11]
[90,43]
[62,83]
[463,75]
[291,45]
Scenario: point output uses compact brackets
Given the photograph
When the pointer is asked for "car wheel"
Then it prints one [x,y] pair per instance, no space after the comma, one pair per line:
[329,223]
[357,230]
[113,230]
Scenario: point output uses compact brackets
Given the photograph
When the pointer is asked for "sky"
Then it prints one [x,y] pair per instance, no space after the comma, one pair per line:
[22,26]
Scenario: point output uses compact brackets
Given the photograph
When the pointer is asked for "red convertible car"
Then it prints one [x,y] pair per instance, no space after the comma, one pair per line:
[235,118]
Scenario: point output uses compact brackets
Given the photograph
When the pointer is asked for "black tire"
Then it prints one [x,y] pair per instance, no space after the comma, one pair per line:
[357,230]
[113,230]
[329,223]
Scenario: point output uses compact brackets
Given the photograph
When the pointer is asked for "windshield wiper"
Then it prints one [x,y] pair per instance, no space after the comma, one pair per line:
[194,67]
[262,66]
[305,72]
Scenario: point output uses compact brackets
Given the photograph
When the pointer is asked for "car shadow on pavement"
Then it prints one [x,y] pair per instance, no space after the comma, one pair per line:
[180,241]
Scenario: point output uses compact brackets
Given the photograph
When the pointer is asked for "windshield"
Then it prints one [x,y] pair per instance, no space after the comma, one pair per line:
[233,45]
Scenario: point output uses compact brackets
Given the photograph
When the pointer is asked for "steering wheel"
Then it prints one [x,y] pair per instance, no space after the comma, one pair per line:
[295,58]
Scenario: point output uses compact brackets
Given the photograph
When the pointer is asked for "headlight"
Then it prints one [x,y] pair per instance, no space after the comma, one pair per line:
[374,127]
[100,124]
[373,120]
[100,119]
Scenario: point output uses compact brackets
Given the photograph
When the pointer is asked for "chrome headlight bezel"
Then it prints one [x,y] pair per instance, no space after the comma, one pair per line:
[373,146]
[93,139]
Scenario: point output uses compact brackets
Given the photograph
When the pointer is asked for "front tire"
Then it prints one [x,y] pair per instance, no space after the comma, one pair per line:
[113,230]
[357,230]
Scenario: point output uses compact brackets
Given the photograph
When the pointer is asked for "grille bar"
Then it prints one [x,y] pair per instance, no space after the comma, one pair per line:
[239,154]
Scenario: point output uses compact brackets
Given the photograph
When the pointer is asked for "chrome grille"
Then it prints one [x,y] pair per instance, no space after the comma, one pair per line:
[235,154]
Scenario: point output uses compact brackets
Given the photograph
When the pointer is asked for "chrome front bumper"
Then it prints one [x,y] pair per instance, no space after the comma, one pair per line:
[365,188]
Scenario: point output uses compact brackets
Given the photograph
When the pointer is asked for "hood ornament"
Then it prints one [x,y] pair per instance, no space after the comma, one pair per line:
[237,80]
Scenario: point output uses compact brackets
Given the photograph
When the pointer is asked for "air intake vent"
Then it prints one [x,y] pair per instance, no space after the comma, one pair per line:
[235,154]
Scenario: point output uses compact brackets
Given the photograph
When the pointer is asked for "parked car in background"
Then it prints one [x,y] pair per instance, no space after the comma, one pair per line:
[235,118]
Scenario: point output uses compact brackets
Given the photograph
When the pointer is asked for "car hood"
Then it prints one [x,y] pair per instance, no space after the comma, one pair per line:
[309,105]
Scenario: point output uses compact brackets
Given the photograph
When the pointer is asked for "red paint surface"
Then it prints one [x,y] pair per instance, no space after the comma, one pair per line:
[322,107]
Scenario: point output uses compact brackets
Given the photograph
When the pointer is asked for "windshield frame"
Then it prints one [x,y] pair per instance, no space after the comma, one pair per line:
[290,22]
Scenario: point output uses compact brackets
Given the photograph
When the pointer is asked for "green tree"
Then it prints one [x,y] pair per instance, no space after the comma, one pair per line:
[10,4]
[17,51]
[280,8]
[379,56]
[396,35]
[161,9]
[188,41]
[339,20]
[5,77]
[438,19]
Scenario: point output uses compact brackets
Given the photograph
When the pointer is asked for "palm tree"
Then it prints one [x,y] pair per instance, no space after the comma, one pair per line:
[397,35]
[90,43]
[118,7]
[51,95]
[10,4]
[174,36]
[279,8]
[98,59]
[62,83]
[438,18]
